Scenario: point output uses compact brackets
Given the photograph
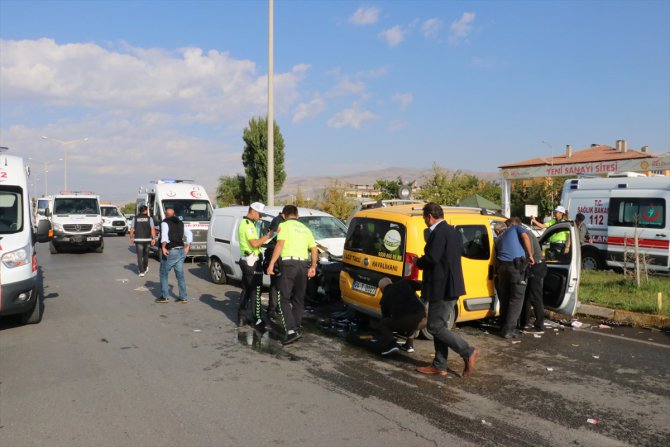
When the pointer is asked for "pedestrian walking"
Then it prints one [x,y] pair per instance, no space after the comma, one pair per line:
[251,263]
[142,233]
[175,243]
[274,279]
[442,285]
[402,312]
[297,248]
[513,254]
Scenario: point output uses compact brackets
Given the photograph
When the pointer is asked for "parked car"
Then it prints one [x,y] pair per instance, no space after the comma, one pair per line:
[223,246]
[381,243]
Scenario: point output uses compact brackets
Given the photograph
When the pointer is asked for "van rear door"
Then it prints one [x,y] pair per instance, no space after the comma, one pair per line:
[561,285]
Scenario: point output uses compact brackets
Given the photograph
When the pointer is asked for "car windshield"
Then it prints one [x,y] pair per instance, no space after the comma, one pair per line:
[11,209]
[325,227]
[108,211]
[190,210]
[42,205]
[76,205]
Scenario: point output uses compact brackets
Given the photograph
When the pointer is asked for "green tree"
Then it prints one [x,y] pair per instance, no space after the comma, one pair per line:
[389,189]
[231,190]
[334,201]
[545,192]
[128,208]
[255,160]
[448,189]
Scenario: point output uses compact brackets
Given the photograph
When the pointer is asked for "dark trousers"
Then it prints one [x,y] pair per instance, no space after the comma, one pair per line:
[534,293]
[252,280]
[511,290]
[439,314]
[142,250]
[274,293]
[403,324]
[292,287]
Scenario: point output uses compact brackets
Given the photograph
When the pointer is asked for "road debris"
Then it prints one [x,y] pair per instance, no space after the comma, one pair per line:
[516,342]
[122,280]
[197,330]
[575,346]
[604,326]
[592,421]
[596,356]
[141,289]
[537,336]
[550,369]
[488,424]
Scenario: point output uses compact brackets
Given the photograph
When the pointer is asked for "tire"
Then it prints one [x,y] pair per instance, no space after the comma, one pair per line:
[592,259]
[34,315]
[52,248]
[100,248]
[452,320]
[216,271]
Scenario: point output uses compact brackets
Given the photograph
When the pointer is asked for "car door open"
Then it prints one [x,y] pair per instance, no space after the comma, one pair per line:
[561,285]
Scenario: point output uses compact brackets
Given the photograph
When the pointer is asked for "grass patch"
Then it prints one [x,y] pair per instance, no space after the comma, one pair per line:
[613,290]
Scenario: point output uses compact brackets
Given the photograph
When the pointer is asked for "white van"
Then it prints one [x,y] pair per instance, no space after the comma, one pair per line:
[21,289]
[76,222]
[223,245]
[611,206]
[112,219]
[190,203]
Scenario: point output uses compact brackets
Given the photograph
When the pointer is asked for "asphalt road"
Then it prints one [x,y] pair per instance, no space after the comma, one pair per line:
[109,367]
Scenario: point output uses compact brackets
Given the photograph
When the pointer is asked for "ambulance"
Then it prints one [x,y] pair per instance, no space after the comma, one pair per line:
[617,208]
[76,222]
[20,281]
[190,203]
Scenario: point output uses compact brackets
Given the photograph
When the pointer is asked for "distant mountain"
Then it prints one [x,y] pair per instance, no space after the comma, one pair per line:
[313,185]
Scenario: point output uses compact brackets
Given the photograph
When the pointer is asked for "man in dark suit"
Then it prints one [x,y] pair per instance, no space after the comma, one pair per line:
[442,285]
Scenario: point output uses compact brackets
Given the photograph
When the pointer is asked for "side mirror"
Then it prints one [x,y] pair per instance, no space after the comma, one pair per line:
[47,212]
[44,232]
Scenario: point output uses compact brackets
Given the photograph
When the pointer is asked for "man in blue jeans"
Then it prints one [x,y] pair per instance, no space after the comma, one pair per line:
[175,242]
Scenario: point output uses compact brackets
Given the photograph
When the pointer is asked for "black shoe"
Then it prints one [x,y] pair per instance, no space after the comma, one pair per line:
[511,334]
[161,300]
[182,301]
[391,349]
[260,325]
[291,338]
[533,330]
[406,347]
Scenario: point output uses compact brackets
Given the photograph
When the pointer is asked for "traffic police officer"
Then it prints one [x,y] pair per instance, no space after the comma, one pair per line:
[251,264]
[294,243]
[559,242]
[274,279]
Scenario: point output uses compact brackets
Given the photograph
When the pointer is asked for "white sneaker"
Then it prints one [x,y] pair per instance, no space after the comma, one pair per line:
[141,274]
[147,270]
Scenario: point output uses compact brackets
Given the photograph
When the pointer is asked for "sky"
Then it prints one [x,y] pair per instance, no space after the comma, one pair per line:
[164,89]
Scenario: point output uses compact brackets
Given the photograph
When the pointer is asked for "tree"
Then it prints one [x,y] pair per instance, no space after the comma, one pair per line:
[445,189]
[388,189]
[255,160]
[231,190]
[546,193]
[128,208]
[334,201]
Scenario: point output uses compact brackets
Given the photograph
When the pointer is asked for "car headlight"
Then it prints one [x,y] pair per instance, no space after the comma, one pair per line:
[57,227]
[17,258]
[97,226]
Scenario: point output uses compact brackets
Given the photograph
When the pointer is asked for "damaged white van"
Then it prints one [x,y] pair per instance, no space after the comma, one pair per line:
[20,289]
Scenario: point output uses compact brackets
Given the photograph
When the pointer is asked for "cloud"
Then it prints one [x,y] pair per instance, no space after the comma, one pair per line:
[396,126]
[393,36]
[460,29]
[353,117]
[347,86]
[404,99]
[431,28]
[207,85]
[365,16]
[309,109]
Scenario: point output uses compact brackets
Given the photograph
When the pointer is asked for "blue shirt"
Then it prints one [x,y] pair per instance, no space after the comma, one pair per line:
[508,245]
[165,230]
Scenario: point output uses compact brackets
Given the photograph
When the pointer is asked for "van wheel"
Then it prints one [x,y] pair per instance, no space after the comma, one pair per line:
[52,248]
[452,319]
[100,248]
[34,315]
[216,271]
[592,260]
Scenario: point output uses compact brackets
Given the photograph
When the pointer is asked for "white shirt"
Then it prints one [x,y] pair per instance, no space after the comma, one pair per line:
[432,227]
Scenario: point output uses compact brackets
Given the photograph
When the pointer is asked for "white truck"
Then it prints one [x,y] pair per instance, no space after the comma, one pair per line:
[20,278]
[616,208]
[112,219]
[76,221]
[190,203]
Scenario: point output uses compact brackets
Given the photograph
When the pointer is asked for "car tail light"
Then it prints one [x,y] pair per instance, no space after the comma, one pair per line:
[34,262]
[410,271]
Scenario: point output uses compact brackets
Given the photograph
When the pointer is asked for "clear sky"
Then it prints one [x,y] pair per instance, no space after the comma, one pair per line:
[165,88]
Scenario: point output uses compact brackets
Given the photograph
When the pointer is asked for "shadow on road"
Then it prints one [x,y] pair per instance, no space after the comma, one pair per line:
[227,305]
[199,270]
[132,268]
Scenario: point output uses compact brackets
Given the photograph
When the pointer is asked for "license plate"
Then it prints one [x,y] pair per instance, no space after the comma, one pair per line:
[365,288]
[198,247]
[93,238]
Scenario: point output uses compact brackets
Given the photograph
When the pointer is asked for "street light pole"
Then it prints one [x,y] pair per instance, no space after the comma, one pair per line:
[271,115]
[65,144]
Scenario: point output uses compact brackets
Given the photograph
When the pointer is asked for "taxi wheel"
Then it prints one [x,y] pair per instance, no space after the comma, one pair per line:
[452,319]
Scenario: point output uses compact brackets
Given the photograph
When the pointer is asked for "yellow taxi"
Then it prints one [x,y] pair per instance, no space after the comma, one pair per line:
[381,242]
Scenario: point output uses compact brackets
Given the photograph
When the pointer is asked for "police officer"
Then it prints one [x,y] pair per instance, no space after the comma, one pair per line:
[559,242]
[274,279]
[142,232]
[513,253]
[175,243]
[251,264]
[295,243]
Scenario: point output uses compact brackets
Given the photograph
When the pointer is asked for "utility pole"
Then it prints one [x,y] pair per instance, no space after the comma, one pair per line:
[271,114]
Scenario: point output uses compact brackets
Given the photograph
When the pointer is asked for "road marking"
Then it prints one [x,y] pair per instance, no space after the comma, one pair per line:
[650,343]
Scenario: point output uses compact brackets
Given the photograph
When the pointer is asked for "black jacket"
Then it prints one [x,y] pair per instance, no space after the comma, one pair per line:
[441,264]
[175,232]
[400,299]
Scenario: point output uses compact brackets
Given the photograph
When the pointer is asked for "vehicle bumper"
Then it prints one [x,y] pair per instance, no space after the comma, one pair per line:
[114,229]
[93,239]
[18,297]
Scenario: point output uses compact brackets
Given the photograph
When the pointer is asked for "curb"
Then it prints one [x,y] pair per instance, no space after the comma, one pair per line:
[625,316]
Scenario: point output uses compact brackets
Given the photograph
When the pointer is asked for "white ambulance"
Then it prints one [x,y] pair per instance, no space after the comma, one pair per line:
[190,203]
[612,207]
[76,221]
[20,289]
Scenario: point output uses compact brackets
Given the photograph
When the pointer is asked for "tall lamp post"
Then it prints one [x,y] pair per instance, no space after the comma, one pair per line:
[65,145]
[271,114]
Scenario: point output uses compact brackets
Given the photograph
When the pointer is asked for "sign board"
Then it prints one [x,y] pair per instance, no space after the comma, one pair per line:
[531,210]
